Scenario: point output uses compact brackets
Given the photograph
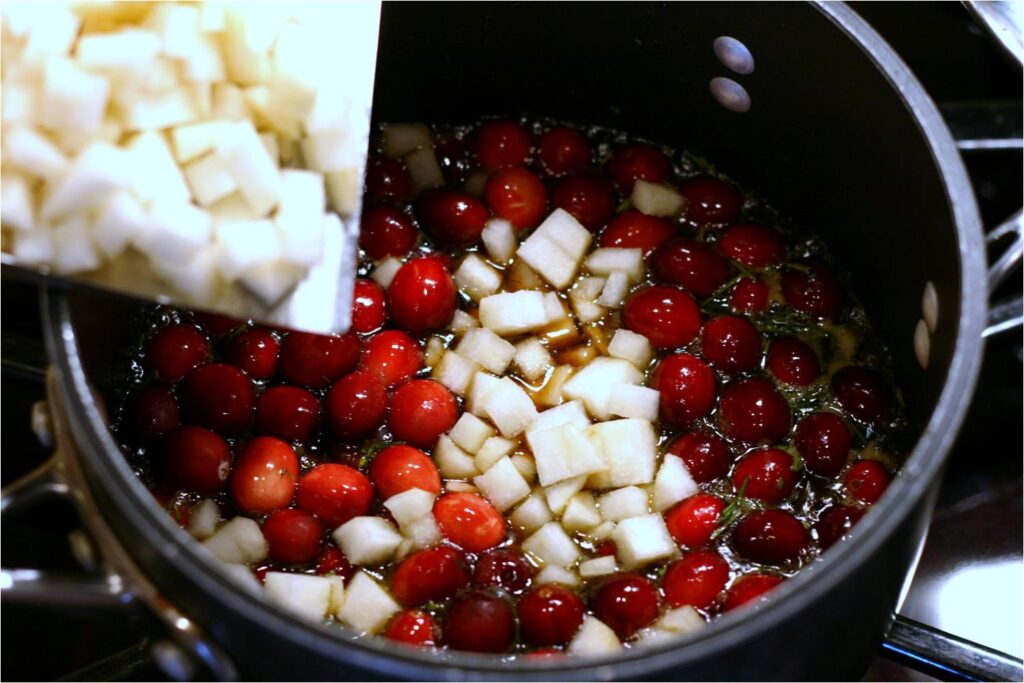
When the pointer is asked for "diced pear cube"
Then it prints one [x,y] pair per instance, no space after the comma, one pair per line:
[502,484]
[270,144]
[178,27]
[462,321]
[673,483]
[581,513]
[512,313]
[121,220]
[532,514]
[328,151]
[401,139]
[476,278]
[642,540]
[656,200]
[616,287]
[620,504]
[159,110]
[629,448]
[16,210]
[337,592]
[594,383]
[599,566]
[556,248]
[499,239]
[526,466]
[602,531]
[95,174]
[632,347]
[270,282]
[299,217]
[424,170]
[479,389]
[177,232]
[456,372]
[532,359]
[410,506]
[558,495]
[344,189]
[423,532]
[486,348]
[194,140]
[203,519]
[572,413]
[254,171]
[629,400]
[209,180]
[48,30]
[470,432]
[550,395]
[594,639]
[123,49]
[197,279]
[34,247]
[554,307]
[243,576]
[606,261]
[245,244]
[493,450]
[551,545]
[453,462]
[681,620]
[306,596]
[433,351]
[205,64]
[72,98]
[34,153]
[239,540]
[249,33]
[384,272]
[162,179]
[509,407]
[583,297]
[555,574]
[563,452]
[367,540]
[367,607]
[74,251]
[228,103]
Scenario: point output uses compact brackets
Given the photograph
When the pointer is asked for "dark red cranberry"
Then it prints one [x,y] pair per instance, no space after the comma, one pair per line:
[710,201]
[667,316]
[264,477]
[707,456]
[195,459]
[823,441]
[754,246]
[867,480]
[293,536]
[749,588]
[369,313]
[356,405]
[422,296]
[503,569]
[387,180]
[516,195]
[399,468]
[413,627]
[316,360]
[695,580]
[218,396]
[770,537]
[749,296]
[631,163]
[687,387]
[385,231]
[793,362]
[691,265]
[479,621]
[335,493]
[502,143]
[451,217]
[255,351]
[421,411]
[862,392]
[430,574]
[766,475]
[633,229]
[587,197]
[550,615]
[215,324]
[626,603]
[152,412]
[469,521]
[563,150]
[731,344]
[814,289]
[835,522]
[606,548]
[751,410]
[392,356]
[175,350]
[694,520]
[333,561]
[453,158]
[287,412]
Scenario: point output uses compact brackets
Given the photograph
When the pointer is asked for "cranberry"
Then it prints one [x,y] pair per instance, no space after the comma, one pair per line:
[835,522]
[667,316]
[587,197]
[770,537]
[287,412]
[335,493]
[862,392]
[195,459]
[691,265]
[356,405]
[823,441]
[767,474]
[451,217]
[793,362]
[687,388]
[695,580]
[814,289]
[452,157]
[422,296]
[749,296]
[293,536]
[751,410]
[265,475]
[414,627]
[431,574]
[392,356]
[369,312]
[316,360]
[399,468]
[503,569]
[563,150]
[387,180]
[216,325]
[218,396]
[152,412]
[479,621]
[502,143]
[867,480]
[421,411]
[631,163]
[175,350]
[545,653]
[385,231]
[550,615]
[469,521]
[333,561]
[255,351]
[707,455]
[633,229]
[731,344]
[710,201]
[749,588]
[516,195]
[693,521]
[754,246]
[626,603]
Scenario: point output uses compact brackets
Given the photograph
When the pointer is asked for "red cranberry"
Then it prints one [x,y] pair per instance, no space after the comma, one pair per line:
[633,229]
[694,520]
[265,475]
[545,653]
[814,289]
[335,493]
[152,412]
[503,143]
[516,195]
[695,580]
[563,150]
[503,569]
[823,441]
[356,405]
[255,351]
[754,246]
[392,356]
[749,296]
[667,316]
[218,396]
[387,180]
[479,621]
[793,362]
[368,310]
[767,474]
[385,231]
[550,615]
[867,480]
[175,350]
[413,627]
[606,548]
[687,387]
[333,561]
[195,459]
[587,197]
[751,410]
[451,217]
[293,536]
[431,574]
[453,158]
[710,201]
[770,537]
[626,603]
[316,360]
[421,411]
[731,344]
[862,392]
[638,162]
[216,325]
[422,296]
[399,468]
[749,588]
[691,265]
[287,412]
[707,456]
[835,522]
[469,521]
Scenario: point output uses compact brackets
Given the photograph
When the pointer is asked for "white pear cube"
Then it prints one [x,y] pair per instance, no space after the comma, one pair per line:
[124,49]
[594,383]
[513,313]
[532,514]
[563,452]
[248,36]
[205,64]
[299,217]
[630,449]
[16,210]
[95,174]
[554,307]
[629,400]
[556,248]
[583,299]
[526,466]
[550,395]
[197,279]
[601,532]
[233,207]
[558,495]
[499,239]
[433,351]
[424,171]
[616,288]
[673,483]
[632,347]
[493,450]
[481,386]
[620,504]
[74,251]
[401,139]
[551,545]
[532,359]
[572,413]
[159,110]
[367,541]
[606,261]
[502,485]
[245,244]
[48,30]
[555,574]
[203,519]
[462,321]
[470,432]
[121,220]
[656,200]
[453,462]
[410,506]
[456,372]
[243,576]
[239,540]
[367,607]
[599,566]
[177,231]
[194,140]
[681,621]
[306,596]
[486,348]
[209,180]
[509,407]
[337,592]
[594,639]
[72,98]
[328,151]
[344,189]
[640,541]
[384,272]
[228,103]
[270,144]
[423,532]
[581,513]
[34,153]
[476,278]
[178,27]
[158,177]
[254,171]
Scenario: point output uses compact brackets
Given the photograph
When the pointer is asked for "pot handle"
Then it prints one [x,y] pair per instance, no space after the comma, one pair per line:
[945,656]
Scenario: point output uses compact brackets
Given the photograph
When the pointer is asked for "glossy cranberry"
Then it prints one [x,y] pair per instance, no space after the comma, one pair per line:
[749,588]
[691,265]
[265,474]
[215,324]
[516,195]
[706,455]
[694,520]
[479,621]
[293,536]
[814,289]
[356,405]
[503,569]
[316,360]
[177,505]
[587,197]
[633,229]
[861,392]
[550,615]
[626,603]
[731,344]
[218,396]
[335,493]
[793,362]
[606,548]
[430,574]
[770,537]
[195,459]
[751,410]
[766,475]
[754,246]
[422,296]
[867,480]
[387,180]
[399,468]
[385,231]
[421,411]
[369,312]
[835,522]
[413,627]
[152,412]
[392,356]
[287,412]
[667,316]
[255,351]
[823,441]
[563,150]
[469,521]
[749,296]
[451,217]
[710,202]
[453,158]
[631,163]
[175,350]
[695,580]
[333,561]
[687,388]
[502,143]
